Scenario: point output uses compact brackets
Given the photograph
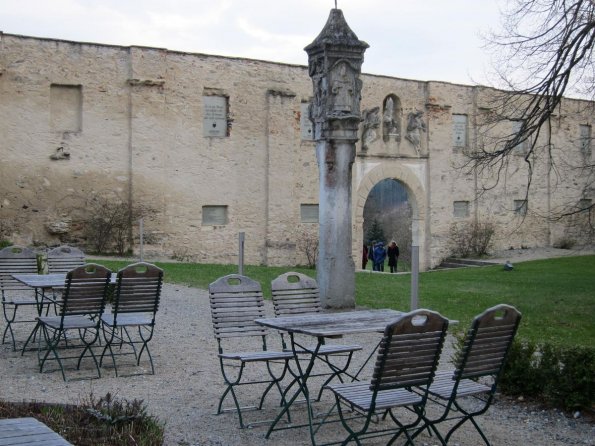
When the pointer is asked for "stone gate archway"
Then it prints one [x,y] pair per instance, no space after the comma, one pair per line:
[411,177]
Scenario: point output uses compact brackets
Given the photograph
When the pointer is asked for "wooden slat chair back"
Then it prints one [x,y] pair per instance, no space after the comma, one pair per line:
[236,301]
[17,260]
[83,303]
[296,294]
[135,304]
[64,258]
[477,368]
[407,357]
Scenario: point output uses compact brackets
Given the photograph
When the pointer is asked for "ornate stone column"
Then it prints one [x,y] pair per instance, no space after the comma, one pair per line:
[334,60]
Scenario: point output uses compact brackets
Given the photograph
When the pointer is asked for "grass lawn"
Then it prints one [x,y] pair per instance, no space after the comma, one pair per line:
[556,296]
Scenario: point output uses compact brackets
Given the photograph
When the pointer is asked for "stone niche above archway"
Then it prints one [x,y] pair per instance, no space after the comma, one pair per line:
[392,117]
[412,182]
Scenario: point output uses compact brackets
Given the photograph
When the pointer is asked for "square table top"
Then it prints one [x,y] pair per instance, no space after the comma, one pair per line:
[28,431]
[333,324]
[47,280]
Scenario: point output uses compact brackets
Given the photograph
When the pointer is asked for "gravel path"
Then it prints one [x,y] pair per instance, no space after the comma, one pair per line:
[187,385]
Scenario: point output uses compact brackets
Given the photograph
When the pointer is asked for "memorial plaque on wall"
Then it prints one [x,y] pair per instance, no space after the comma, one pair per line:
[215,116]
[305,124]
[459,130]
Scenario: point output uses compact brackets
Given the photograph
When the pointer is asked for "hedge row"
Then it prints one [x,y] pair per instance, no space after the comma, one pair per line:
[562,377]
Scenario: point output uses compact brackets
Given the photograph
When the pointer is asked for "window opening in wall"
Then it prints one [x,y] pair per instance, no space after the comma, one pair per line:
[520,207]
[214,215]
[585,140]
[66,108]
[459,131]
[215,116]
[309,213]
[522,147]
[584,204]
[461,209]
[306,128]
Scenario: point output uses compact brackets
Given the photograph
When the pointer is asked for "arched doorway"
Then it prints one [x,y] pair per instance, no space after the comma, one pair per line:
[387,217]
[409,176]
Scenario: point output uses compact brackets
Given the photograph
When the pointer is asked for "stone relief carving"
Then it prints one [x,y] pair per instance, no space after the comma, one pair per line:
[371,119]
[415,125]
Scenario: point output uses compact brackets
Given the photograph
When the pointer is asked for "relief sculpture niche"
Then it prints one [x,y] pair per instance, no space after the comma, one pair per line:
[391,119]
[345,91]
[415,126]
[371,122]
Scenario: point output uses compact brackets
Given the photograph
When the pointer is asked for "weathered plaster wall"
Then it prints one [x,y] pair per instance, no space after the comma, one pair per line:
[142,137]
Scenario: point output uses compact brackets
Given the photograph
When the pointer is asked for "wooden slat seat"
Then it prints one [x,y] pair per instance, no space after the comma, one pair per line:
[17,260]
[295,294]
[236,301]
[132,320]
[28,431]
[407,357]
[478,368]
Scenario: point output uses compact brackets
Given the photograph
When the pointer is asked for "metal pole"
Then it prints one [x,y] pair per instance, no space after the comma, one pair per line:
[414,264]
[241,255]
[141,240]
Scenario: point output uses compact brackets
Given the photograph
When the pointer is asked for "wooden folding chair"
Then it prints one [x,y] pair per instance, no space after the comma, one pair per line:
[478,368]
[236,301]
[17,260]
[296,294]
[83,303]
[64,258]
[135,304]
[407,357]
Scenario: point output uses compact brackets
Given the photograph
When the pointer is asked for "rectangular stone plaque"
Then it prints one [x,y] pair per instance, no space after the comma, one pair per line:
[305,124]
[459,130]
[215,116]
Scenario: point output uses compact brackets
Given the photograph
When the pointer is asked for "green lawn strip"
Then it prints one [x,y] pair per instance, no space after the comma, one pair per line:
[556,296]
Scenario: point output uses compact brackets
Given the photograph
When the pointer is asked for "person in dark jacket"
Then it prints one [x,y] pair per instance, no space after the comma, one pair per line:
[379,256]
[371,255]
[364,256]
[393,256]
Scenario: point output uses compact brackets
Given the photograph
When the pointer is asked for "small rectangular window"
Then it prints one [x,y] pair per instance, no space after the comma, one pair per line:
[585,140]
[306,129]
[461,209]
[66,108]
[522,147]
[584,204]
[214,215]
[215,116]
[520,207]
[309,213]
[459,131]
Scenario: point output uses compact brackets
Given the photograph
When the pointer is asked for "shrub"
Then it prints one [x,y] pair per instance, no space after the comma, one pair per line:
[559,376]
[471,238]
[565,243]
[306,243]
[107,421]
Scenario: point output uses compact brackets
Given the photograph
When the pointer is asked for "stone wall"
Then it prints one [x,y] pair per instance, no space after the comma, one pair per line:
[80,119]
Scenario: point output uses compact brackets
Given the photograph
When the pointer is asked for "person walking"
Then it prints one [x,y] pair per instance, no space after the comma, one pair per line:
[393,256]
[364,256]
[379,256]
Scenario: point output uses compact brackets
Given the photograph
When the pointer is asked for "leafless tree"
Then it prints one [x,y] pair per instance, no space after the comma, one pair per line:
[543,53]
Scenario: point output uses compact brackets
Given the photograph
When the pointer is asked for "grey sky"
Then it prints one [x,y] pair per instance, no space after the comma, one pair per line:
[415,39]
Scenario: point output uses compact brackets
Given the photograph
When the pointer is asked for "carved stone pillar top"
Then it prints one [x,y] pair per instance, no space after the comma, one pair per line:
[335,58]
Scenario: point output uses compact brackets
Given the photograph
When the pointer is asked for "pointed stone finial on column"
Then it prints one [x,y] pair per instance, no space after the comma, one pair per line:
[334,61]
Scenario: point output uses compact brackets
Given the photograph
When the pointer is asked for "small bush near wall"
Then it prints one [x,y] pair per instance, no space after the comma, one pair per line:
[562,377]
[471,238]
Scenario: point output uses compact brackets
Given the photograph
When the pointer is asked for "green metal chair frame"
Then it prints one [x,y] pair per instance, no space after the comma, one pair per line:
[407,357]
[17,260]
[296,294]
[479,366]
[135,304]
[83,303]
[236,301]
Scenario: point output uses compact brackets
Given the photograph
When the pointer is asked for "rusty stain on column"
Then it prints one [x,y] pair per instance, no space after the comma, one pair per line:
[334,61]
